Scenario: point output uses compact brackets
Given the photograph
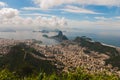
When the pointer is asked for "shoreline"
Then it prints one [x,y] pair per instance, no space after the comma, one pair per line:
[58,43]
[109,45]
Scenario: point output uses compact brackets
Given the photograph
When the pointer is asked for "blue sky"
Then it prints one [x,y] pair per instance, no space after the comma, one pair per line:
[18,3]
[106,11]
[74,13]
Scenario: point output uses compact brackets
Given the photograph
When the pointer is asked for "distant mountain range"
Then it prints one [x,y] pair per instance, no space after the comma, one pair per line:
[47,31]
[7,30]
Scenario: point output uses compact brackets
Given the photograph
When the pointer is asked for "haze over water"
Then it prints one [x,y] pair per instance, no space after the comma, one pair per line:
[106,37]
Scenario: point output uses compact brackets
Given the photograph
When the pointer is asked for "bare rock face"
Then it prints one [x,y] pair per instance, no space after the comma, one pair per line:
[60,33]
[60,37]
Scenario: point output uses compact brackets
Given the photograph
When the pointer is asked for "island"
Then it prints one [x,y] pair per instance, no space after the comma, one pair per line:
[42,31]
[60,37]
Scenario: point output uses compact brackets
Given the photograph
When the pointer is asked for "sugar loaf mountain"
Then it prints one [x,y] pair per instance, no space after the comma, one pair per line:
[26,58]
[60,37]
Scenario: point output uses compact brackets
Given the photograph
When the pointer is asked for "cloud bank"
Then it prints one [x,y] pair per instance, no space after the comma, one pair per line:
[45,4]
[37,21]
[2,4]
[8,13]
[13,17]
[75,9]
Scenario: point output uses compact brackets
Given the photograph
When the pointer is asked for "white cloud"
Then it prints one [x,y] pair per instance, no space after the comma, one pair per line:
[12,17]
[2,4]
[36,14]
[52,21]
[38,21]
[45,4]
[31,8]
[103,18]
[8,12]
[68,8]
[75,9]
[93,25]
[118,17]
[36,9]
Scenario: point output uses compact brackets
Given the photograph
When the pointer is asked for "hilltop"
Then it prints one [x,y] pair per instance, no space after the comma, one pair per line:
[23,60]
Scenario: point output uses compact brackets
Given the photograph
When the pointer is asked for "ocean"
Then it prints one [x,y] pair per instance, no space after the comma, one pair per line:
[104,36]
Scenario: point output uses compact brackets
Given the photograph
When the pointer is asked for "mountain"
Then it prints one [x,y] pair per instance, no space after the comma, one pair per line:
[96,46]
[112,52]
[60,37]
[23,60]
[83,52]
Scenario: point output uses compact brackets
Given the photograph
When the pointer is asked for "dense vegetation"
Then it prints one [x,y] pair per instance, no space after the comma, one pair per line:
[22,63]
[79,74]
[115,61]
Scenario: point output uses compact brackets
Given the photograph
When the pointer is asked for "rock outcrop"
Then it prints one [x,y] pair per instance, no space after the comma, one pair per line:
[60,37]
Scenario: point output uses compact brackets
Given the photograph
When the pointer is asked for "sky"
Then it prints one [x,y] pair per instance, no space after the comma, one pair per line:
[86,14]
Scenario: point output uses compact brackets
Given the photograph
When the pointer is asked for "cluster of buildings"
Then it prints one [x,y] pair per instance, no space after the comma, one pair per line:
[72,56]
[6,44]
